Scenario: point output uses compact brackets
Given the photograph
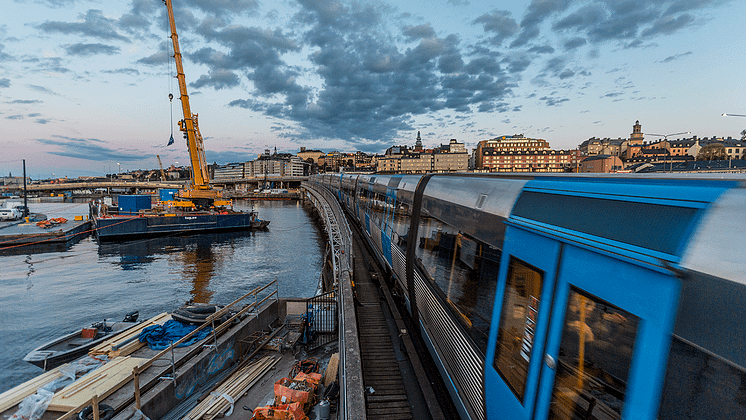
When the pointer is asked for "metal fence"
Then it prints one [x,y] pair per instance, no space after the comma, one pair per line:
[321,317]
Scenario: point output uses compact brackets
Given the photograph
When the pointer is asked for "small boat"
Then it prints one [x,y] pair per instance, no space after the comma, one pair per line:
[76,344]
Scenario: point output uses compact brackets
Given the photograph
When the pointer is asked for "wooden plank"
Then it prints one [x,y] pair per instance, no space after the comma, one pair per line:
[234,386]
[15,395]
[107,346]
[102,382]
[330,375]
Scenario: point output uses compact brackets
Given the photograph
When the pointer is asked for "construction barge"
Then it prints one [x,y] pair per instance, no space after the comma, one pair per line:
[237,368]
[135,218]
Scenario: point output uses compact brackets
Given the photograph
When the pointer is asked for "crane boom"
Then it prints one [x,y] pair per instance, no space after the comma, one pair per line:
[160,165]
[200,188]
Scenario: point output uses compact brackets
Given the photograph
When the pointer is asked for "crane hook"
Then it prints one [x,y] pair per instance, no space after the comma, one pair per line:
[170,97]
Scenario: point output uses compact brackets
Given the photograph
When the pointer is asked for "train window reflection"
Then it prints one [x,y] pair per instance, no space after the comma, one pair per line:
[594,360]
[515,337]
[464,271]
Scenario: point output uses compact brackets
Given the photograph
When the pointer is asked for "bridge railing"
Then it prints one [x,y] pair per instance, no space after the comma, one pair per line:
[352,395]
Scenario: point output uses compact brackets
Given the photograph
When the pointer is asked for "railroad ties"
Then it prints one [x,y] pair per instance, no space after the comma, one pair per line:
[386,396]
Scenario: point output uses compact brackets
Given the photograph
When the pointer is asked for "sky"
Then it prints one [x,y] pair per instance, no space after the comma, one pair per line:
[84,84]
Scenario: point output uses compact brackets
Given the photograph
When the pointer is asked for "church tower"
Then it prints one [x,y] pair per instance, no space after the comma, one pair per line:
[418,143]
[636,137]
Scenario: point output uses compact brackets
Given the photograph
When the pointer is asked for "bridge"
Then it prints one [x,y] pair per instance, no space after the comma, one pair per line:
[382,356]
[222,183]
[122,184]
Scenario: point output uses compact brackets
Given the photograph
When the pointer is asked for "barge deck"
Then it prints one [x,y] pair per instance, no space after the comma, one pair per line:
[26,237]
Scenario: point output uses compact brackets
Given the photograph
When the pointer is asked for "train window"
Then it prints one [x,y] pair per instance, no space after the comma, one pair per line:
[701,385]
[594,359]
[515,334]
[464,272]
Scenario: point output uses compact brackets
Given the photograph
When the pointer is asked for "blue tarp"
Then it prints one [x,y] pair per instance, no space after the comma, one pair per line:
[159,337]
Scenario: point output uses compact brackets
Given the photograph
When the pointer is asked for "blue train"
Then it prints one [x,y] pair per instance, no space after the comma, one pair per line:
[569,297]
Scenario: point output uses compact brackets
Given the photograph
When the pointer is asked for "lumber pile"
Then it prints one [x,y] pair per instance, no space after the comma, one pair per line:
[100,382]
[15,395]
[127,342]
[234,387]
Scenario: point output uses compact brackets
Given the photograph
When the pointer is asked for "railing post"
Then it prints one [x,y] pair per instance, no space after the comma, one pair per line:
[136,378]
[94,407]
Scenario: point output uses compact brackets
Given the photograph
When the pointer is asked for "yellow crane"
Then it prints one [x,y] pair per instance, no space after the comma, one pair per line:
[160,165]
[200,192]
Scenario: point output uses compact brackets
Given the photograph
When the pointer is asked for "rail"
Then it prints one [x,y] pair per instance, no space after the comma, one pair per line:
[352,395]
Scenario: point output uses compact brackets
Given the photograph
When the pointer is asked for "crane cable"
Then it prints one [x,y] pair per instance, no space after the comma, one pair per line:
[171,95]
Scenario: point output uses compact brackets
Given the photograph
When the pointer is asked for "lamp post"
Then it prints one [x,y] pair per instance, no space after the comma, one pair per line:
[665,138]
[743,133]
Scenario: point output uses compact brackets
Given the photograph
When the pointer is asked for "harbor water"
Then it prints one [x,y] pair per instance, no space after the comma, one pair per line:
[43,296]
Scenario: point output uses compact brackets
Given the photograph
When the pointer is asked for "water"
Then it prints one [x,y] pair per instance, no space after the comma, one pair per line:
[45,295]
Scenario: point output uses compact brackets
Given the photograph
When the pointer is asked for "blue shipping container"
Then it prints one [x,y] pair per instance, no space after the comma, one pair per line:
[132,204]
[168,194]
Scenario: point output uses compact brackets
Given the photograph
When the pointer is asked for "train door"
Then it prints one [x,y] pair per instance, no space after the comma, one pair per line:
[522,306]
[608,340]
[581,335]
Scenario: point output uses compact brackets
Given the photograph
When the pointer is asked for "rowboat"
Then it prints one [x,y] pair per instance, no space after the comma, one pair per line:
[77,343]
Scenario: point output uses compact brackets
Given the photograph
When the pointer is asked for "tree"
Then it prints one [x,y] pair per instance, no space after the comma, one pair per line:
[712,152]
[743,135]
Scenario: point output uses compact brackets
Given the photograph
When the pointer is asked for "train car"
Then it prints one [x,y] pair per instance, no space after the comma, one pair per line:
[569,297]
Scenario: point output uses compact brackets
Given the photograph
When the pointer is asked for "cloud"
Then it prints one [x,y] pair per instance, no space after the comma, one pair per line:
[675,57]
[128,71]
[517,63]
[85,50]
[42,121]
[566,74]
[498,22]
[370,88]
[89,149]
[574,43]
[25,101]
[553,101]
[414,33]
[4,83]
[668,25]
[218,79]
[93,24]
[15,117]
[160,57]
[600,21]
[542,49]
[42,89]
[224,157]
[538,11]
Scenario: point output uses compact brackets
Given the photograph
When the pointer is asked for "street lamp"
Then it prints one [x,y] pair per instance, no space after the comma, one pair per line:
[665,138]
[120,168]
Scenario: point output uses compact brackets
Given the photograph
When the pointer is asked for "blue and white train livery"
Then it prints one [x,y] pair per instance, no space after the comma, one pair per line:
[569,297]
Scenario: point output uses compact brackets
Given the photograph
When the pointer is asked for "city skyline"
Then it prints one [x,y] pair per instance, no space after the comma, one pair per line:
[85,85]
